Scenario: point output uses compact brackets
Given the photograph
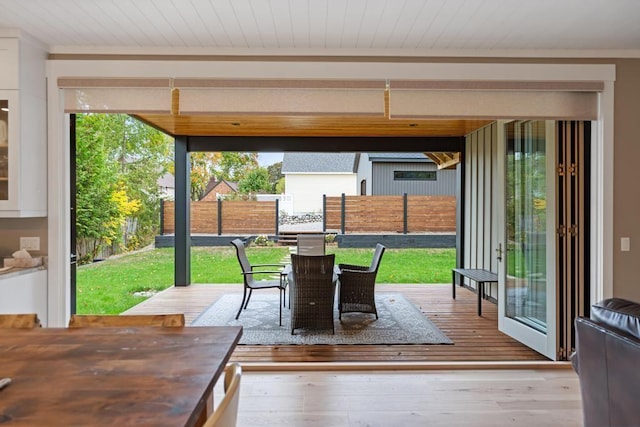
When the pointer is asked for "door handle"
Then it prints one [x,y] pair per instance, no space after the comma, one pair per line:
[499,252]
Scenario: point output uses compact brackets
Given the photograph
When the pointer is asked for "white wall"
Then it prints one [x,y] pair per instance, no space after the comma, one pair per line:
[285,201]
[307,189]
[365,172]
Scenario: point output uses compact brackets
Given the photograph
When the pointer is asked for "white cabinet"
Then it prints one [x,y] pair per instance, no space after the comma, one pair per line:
[24,292]
[23,132]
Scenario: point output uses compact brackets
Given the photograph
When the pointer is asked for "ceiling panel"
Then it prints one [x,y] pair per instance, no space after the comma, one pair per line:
[328,24]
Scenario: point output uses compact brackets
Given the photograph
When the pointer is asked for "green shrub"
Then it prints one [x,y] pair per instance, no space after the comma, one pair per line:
[262,240]
[330,238]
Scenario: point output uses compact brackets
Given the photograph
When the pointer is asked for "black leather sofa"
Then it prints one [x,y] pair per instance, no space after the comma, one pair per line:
[607,360]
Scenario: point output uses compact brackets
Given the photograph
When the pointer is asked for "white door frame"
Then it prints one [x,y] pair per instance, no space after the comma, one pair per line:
[543,343]
[58,138]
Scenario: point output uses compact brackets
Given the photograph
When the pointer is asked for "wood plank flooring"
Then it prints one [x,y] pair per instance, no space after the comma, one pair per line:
[476,339]
[484,398]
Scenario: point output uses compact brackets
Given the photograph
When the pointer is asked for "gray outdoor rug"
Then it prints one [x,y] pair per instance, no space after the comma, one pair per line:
[400,322]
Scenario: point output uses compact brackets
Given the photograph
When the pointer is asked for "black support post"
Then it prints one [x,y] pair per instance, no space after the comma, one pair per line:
[324,213]
[161,217]
[343,214]
[277,218]
[405,206]
[182,213]
[219,217]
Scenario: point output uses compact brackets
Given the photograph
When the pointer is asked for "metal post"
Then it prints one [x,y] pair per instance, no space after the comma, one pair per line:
[277,217]
[219,217]
[343,213]
[182,214]
[324,213]
[406,212]
[161,217]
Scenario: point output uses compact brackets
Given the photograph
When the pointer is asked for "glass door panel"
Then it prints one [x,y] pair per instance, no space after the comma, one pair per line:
[526,194]
[528,277]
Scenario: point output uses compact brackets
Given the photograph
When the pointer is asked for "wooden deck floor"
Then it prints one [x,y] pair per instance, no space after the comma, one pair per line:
[476,338]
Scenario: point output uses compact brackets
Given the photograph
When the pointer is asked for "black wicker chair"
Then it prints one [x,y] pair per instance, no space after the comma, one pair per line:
[312,292]
[357,286]
[250,271]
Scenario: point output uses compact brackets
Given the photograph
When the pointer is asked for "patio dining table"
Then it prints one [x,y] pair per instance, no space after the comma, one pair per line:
[112,376]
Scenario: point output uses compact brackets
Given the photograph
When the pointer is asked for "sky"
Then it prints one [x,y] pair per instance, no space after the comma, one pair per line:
[267,159]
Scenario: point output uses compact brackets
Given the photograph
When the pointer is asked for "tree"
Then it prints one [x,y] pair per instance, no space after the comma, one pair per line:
[255,181]
[275,175]
[95,182]
[118,163]
[144,154]
[234,166]
[202,169]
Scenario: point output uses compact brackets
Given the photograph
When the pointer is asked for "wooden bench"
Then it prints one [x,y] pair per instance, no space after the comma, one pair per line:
[477,275]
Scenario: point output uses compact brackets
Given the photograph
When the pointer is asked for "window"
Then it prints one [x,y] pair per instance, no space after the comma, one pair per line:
[414,175]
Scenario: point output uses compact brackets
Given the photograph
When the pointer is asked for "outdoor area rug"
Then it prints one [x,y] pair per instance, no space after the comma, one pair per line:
[399,322]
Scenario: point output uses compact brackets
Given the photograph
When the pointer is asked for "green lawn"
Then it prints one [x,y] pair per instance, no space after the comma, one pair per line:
[107,287]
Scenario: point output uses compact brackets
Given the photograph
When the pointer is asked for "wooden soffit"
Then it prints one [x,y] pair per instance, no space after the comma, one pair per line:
[325,125]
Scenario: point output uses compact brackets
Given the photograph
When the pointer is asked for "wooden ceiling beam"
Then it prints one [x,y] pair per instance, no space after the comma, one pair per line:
[445,160]
[324,144]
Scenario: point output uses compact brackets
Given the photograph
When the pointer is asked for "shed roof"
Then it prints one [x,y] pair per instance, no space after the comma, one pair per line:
[398,157]
[319,162]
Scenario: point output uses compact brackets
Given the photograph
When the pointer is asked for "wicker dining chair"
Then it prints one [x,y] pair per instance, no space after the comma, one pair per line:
[357,286]
[312,292]
[250,272]
[310,244]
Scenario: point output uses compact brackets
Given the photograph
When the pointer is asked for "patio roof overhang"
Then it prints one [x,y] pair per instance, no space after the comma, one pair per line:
[442,140]
[289,133]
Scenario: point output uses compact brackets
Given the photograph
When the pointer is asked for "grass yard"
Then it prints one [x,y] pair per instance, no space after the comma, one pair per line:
[108,287]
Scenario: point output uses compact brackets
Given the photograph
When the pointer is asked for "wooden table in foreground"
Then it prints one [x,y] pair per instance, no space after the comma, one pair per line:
[112,376]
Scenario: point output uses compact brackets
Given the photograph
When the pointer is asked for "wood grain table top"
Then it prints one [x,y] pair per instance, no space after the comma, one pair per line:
[111,376]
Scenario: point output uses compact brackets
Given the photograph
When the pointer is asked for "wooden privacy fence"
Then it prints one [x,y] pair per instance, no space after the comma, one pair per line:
[229,217]
[346,214]
[400,214]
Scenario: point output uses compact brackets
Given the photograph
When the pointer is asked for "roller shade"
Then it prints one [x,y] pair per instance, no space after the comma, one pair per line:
[406,99]
[494,100]
[284,97]
[116,95]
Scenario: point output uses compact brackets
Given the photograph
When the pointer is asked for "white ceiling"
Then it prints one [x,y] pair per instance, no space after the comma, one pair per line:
[427,26]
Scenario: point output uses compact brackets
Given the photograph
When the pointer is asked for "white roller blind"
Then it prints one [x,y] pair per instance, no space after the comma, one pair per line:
[407,99]
[117,100]
[289,97]
[116,95]
[494,100]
